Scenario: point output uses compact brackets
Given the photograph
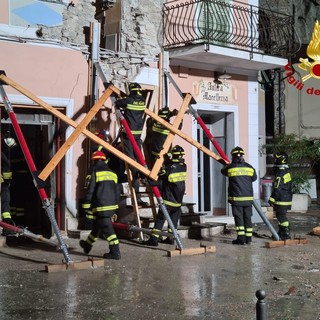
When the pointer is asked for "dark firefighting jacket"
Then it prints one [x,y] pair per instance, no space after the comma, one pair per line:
[173,177]
[132,108]
[240,189]
[6,173]
[102,195]
[159,135]
[282,186]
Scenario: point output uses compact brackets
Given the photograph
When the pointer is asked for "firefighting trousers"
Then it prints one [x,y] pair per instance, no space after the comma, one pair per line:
[281,213]
[242,218]
[5,200]
[102,227]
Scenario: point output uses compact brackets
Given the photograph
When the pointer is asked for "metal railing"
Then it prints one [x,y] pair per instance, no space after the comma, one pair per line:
[237,25]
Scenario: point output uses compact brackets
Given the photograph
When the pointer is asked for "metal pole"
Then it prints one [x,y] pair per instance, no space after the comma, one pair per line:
[33,170]
[132,228]
[155,189]
[256,204]
[261,306]
[25,232]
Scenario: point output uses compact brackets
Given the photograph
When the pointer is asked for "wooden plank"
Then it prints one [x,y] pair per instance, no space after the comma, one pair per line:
[74,136]
[98,263]
[166,146]
[208,248]
[2,241]
[316,231]
[184,136]
[191,251]
[275,244]
[78,265]
[72,123]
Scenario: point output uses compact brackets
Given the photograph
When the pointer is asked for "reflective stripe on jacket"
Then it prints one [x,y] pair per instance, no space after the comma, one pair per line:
[102,189]
[282,186]
[173,178]
[240,189]
[133,110]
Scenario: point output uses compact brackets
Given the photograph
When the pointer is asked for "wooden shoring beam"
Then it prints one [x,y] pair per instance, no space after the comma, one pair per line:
[184,136]
[73,124]
[74,136]
[166,146]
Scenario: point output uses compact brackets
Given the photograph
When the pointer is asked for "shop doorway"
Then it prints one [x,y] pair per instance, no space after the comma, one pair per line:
[38,128]
[212,188]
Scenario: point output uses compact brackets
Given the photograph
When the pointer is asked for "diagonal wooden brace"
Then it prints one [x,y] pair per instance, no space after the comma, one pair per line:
[73,124]
[182,135]
[166,146]
[74,136]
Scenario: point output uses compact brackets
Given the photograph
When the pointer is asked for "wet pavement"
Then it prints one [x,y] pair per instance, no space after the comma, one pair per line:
[147,284]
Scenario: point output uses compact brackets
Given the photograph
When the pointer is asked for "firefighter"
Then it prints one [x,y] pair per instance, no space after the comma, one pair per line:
[87,214]
[22,181]
[240,194]
[159,134]
[281,196]
[102,200]
[6,178]
[132,108]
[173,179]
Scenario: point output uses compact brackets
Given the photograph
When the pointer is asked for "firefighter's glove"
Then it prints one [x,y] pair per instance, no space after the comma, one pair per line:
[174,112]
[152,183]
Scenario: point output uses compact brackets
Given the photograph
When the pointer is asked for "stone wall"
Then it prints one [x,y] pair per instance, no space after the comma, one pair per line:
[305,13]
[140,36]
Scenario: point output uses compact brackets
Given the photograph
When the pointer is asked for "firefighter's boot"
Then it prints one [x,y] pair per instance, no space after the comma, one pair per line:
[6,232]
[168,240]
[241,240]
[114,252]
[153,241]
[284,233]
[85,246]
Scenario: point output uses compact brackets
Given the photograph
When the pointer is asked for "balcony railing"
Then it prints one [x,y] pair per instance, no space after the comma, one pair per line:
[237,25]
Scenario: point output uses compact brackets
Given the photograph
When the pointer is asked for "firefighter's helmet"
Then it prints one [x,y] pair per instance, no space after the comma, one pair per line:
[10,142]
[237,152]
[177,152]
[164,113]
[98,155]
[280,158]
[135,88]
[102,134]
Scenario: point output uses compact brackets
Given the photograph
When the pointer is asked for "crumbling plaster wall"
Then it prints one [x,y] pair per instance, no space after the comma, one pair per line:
[75,19]
[140,36]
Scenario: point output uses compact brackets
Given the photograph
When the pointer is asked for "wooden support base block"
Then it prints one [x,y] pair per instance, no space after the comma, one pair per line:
[75,265]
[275,244]
[191,251]
[316,231]
[2,241]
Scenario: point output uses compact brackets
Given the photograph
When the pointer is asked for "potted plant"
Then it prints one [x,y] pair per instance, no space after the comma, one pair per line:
[303,158]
